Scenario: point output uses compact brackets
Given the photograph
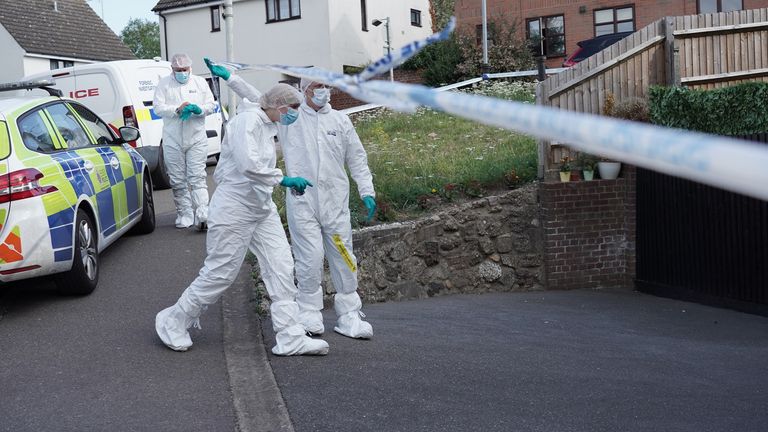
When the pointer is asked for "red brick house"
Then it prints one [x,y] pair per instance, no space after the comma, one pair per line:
[559,24]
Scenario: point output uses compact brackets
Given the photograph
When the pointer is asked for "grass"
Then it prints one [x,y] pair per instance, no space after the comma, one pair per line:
[424,159]
[428,157]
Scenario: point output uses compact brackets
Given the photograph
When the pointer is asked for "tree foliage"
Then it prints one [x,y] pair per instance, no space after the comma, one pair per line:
[460,56]
[142,36]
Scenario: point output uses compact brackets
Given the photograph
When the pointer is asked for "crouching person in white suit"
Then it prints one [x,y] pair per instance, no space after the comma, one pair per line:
[242,215]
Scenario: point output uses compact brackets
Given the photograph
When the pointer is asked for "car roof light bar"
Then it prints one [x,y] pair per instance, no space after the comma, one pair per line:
[29,85]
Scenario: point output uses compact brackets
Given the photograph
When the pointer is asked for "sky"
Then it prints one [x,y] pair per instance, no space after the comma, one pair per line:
[116,13]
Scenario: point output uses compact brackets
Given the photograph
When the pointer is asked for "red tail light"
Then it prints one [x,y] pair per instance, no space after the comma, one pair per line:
[129,116]
[22,184]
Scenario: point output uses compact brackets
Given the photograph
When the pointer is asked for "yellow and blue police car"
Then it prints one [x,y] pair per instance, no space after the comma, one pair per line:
[69,187]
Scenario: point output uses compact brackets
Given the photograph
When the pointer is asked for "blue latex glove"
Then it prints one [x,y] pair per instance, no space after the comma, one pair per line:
[190,109]
[217,70]
[370,204]
[296,183]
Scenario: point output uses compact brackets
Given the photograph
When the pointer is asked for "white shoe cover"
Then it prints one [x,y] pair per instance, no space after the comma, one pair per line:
[171,325]
[293,341]
[184,221]
[351,325]
[312,321]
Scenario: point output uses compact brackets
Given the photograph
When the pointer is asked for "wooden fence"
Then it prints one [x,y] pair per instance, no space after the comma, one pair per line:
[698,51]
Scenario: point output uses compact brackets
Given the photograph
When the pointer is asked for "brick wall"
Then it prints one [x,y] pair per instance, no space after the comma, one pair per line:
[341,100]
[589,232]
[578,25]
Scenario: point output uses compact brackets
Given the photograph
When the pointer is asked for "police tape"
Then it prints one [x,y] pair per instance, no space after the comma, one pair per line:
[735,165]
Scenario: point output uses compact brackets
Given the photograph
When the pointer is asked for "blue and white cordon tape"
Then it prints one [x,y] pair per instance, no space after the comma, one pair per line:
[735,165]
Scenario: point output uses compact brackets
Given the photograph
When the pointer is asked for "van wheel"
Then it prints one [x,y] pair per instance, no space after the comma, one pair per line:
[147,223]
[160,176]
[84,275]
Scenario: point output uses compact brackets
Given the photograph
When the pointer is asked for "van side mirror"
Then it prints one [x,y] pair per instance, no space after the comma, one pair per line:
[127,134]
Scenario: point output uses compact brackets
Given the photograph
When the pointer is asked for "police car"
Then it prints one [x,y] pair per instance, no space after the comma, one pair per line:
[69,187]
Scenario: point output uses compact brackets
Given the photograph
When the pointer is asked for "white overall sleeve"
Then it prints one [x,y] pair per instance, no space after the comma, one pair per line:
[250,165]
[243,89]
[159,103]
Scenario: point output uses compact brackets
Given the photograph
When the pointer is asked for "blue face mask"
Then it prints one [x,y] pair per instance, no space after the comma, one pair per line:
[289,117]
[321,96]
[181,77]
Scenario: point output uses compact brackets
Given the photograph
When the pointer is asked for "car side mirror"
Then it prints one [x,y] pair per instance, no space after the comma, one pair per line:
[128,133]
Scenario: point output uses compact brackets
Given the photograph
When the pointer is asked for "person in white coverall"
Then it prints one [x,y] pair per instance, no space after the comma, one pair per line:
[243,216]
[318,147]
[183,100]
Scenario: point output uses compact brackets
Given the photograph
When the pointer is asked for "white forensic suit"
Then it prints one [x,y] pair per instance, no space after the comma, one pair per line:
[243,215]
[185,144]
[317,147]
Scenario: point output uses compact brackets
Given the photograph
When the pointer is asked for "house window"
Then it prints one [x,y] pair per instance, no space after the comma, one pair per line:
[282,10]
[712,6]
[68,63]
[415,18]
[54,64]
[215,19]
[491,34]
[547,36]
[58,64]
[364,14]
[614,20]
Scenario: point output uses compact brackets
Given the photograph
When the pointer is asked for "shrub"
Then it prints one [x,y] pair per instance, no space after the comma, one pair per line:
[736,110]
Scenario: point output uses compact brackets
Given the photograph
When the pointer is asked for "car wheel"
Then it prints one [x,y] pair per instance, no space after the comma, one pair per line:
[160,176]
[84,275]
[147,223]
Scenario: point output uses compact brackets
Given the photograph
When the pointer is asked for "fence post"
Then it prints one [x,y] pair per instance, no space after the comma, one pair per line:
[672,53]
[541,144]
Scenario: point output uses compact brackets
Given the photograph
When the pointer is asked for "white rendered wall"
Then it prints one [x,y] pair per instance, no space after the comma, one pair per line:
[329,35]
[355,47]
[13,58]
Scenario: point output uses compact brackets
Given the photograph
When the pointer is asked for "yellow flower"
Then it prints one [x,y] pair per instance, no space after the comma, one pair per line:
[434,190]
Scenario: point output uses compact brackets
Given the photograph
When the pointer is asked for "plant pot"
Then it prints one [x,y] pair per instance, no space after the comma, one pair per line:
[565,176]
[588,175]
[609,170]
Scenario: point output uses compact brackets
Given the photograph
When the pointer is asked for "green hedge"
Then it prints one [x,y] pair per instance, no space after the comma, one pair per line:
[737,110]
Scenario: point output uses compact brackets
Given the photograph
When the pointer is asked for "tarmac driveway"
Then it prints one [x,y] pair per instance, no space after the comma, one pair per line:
[585,360]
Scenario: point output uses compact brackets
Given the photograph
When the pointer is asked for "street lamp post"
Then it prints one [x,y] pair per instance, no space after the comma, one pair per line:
[376,23]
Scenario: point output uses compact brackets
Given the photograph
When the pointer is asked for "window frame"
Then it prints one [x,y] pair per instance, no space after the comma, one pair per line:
[719,6]
[75,106]
[543,43]
[417,14]
[41,111]
[276,4]
[215,18]
[491,29]
[615,22]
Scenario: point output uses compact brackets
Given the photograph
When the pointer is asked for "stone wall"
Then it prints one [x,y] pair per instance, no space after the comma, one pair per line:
[491,244]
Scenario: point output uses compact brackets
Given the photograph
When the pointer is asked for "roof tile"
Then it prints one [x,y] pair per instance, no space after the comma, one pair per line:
[72,29]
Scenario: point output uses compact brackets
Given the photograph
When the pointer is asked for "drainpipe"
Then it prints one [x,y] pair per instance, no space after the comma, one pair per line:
[165,33]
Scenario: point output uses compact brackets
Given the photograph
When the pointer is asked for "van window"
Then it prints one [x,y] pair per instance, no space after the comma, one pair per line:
[69,128]
[34,133]
[98,128]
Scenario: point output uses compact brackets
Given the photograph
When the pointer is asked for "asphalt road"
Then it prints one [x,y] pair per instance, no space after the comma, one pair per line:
[555,361]
[94,363]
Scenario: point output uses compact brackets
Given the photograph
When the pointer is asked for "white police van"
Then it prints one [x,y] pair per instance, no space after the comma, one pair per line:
[121,93]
